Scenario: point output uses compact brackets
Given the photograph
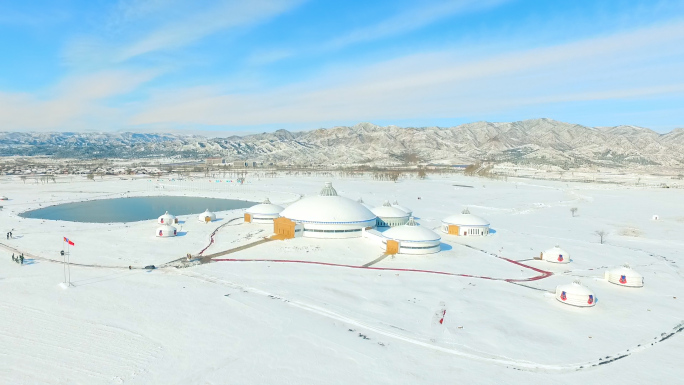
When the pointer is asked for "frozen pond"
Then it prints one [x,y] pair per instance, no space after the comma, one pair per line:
[133,209]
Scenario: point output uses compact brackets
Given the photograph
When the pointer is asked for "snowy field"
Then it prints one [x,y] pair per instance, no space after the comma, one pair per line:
[281,322]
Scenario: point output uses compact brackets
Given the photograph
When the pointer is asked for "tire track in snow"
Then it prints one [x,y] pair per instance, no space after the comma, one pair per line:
[523,365]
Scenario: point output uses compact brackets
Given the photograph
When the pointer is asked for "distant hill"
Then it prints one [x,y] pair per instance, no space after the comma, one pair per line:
[535,141]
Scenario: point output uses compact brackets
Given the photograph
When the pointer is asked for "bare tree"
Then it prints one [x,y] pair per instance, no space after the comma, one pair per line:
[91,176]
[602,234]
[23,178]
[573,210]
[421,174]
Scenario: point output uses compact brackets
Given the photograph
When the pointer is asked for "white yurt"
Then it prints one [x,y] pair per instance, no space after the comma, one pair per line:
[556,255]
[206,214]
[167,219]
[390,216]
[465,224]
[576,294]
[413,239]
[402,208]
[264,212]
[166,231]
[625,276]
[329,215]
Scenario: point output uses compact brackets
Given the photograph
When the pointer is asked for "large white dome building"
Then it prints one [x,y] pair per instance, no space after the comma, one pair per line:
[556,255]
[264,212]
[167,219]
[389,216]
[575,294]
[625,276]
[413,239]
[465,224]
[329,215]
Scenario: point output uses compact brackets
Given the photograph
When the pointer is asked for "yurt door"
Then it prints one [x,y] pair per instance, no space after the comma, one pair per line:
[392,247]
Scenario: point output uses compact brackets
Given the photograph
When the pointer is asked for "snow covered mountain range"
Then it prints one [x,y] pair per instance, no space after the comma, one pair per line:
[536,141]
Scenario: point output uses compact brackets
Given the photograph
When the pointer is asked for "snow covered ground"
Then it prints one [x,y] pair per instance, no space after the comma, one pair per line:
[281,322]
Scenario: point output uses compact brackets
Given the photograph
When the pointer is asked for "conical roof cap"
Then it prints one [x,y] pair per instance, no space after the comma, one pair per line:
[328,190]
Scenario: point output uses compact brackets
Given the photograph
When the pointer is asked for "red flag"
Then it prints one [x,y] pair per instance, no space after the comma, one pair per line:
[67,240]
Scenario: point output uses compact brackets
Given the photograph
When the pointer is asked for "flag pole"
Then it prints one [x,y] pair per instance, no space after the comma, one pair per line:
[63,260]
[69,263]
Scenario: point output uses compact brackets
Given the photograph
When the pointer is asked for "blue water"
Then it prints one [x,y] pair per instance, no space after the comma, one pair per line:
[133,209]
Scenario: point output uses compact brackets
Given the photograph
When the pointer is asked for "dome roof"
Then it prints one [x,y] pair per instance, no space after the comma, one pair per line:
[360,200]
[327,207]
[625,270]
[205,214]
[411,232]
[402,208]
[555,251]
[265,208]
[166,218]
[466,220]
[388,211]
[556,254]
[575,288]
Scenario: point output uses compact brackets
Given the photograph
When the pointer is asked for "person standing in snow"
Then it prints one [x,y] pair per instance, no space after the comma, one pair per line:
[22,259]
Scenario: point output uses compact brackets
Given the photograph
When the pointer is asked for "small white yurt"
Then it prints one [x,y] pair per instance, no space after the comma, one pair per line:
[625,276]
[576,294]
[206,214]
[167,219]
[389,216]
[465,224]
[402,208]
[165,231]
[555,255]
[264,212]
[413,239]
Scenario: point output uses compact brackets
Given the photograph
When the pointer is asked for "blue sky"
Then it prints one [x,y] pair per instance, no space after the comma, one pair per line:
[261,65]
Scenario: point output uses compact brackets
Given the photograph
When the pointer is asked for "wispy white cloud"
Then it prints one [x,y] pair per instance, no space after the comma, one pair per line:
[162,26]
[642,63]
[421,15]
[75,103]
[267,57]
[197,26]
[125,12]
